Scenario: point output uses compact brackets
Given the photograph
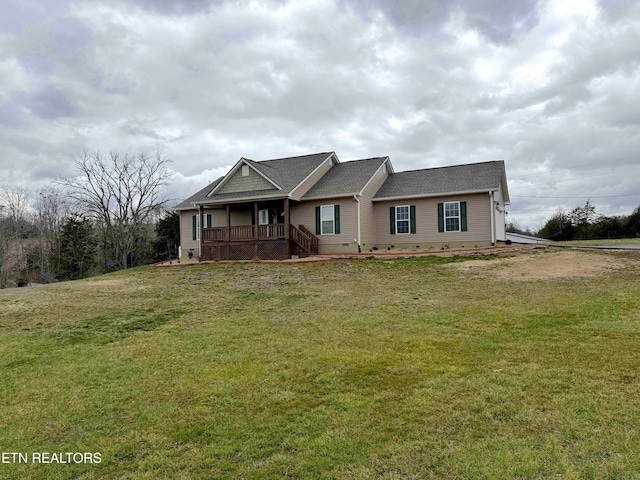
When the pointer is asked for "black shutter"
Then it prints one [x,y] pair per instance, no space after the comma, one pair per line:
[412,217]
[208,220]
[193,227]
[336,217]
[463,216]
[392,220]
[441,217]
[317,220]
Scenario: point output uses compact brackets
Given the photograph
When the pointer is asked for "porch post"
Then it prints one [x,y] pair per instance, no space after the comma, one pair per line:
[255,220]
[201,213]
[286,219]
[228,222]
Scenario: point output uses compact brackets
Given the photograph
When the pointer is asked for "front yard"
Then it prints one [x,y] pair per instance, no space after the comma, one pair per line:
[429,367]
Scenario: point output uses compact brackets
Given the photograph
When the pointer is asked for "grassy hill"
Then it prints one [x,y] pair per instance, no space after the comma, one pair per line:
[408,368]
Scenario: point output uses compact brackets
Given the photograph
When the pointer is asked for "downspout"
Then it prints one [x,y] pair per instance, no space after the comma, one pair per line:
[355,197]
[201,229]
[493,219]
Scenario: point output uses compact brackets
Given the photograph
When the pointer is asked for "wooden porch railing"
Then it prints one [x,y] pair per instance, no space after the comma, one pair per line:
[312,237]
[243,232]
[307,241]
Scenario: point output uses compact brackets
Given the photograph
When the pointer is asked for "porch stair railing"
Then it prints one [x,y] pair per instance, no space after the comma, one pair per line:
[304,239]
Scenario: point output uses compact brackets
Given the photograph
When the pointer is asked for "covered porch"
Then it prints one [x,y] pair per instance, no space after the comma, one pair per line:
[248,230]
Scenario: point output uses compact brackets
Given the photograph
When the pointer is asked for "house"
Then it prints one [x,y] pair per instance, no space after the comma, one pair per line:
[309,204]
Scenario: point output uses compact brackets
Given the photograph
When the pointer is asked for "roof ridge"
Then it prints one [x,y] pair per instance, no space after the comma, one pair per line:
[364,159]
[448,166]
[287,158]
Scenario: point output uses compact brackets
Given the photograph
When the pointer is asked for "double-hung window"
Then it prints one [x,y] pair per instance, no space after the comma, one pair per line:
[452,216]
[195,227]
[327,220]
[402,219]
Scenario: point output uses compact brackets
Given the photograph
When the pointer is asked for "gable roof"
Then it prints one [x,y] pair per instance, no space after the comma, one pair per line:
[250,164]
[286,173]
[201,195]
[471,177]
[290,171]
[347,178]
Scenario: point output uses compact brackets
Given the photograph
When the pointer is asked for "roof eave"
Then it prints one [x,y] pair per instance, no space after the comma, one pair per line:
[331,155]
[210,201]
[387,162]
[326,197]
[430,195]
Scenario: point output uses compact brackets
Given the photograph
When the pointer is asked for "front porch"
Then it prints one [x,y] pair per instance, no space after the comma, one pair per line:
[269,236]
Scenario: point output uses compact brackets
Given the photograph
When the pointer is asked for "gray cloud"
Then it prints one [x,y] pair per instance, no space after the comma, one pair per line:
[70,33]
[550,90]
[496,19]
[170,7]
[46,101]
[10,114]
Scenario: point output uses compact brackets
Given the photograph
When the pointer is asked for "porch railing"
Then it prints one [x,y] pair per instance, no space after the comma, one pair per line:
[304,238]
[243,232]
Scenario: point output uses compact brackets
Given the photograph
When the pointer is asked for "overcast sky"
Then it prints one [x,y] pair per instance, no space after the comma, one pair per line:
[551,87]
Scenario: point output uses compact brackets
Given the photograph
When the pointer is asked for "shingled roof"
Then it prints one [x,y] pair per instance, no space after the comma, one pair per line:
[347,178]
[288,172]
[443,180]
[198,196]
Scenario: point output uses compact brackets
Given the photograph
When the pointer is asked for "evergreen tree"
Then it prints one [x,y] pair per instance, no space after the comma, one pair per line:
[76,248]
[167,236]
[559,227]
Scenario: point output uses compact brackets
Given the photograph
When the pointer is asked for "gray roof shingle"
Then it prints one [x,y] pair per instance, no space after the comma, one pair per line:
[198,196]
[347,178]
[287,173]
[442,180]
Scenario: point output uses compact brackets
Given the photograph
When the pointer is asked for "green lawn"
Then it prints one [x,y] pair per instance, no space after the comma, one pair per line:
[615,241]
[386,369]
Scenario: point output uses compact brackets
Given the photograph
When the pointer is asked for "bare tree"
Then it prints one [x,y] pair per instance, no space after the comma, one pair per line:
[120,193]
[14,202]
[51,209]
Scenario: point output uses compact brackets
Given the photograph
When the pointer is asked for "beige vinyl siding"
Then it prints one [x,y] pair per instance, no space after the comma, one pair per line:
[367,222]
[306,185]
[305,214]
[427,235]
[238,183]
[186,241]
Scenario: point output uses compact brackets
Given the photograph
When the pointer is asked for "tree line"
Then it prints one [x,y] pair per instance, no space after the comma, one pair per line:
[109,215]
[585,223]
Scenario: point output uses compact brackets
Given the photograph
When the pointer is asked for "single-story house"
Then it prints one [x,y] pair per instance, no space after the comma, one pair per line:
[309,204]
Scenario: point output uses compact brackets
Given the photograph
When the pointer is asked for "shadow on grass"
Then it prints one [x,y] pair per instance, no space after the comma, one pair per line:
[115,325]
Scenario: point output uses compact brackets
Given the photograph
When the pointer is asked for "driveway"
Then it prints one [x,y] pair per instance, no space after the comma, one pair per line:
[622,246]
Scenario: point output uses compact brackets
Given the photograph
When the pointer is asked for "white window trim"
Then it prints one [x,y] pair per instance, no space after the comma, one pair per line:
[408,220]
[244,170]
[333,220]
[459,217]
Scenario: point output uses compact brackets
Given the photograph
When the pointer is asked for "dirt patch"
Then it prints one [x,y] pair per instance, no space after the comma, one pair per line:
[543,266]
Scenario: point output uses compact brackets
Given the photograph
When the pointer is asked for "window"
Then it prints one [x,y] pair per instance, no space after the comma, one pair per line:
[452,216]
[327,219]
[195,227]
[245,170]
[402,219]
[263,217]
